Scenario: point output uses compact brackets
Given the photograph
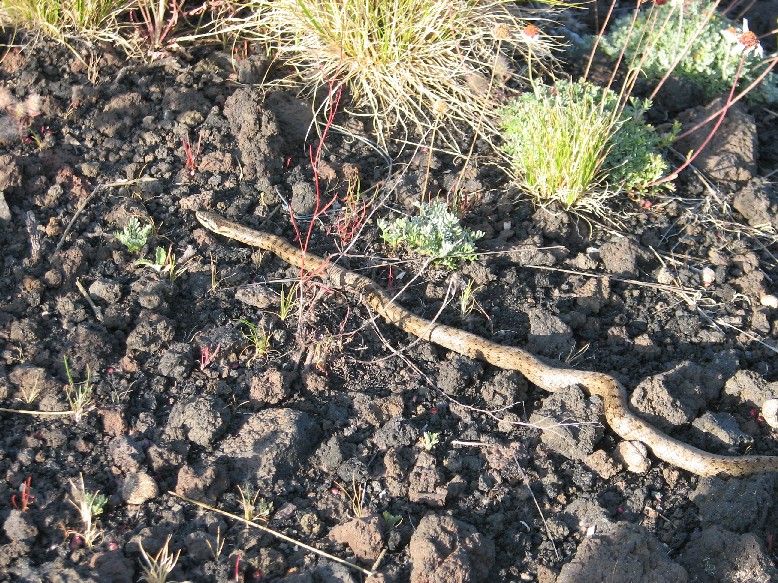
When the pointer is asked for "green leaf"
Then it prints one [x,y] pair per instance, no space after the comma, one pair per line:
[391,520]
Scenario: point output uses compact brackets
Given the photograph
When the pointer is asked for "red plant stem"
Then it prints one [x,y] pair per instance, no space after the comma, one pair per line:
[332,108]
[191,154]
[737,98]
[722,115]
[743,10]
[350,221]
[25,496]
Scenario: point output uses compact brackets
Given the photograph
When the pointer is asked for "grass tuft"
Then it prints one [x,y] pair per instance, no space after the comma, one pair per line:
[66,20]
[577,144]
[410,65]
[156,568]
[89,505]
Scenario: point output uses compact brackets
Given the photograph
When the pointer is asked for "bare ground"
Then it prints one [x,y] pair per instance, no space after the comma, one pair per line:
[339,406]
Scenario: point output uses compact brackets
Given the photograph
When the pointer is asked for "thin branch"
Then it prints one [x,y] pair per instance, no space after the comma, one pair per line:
[276,534]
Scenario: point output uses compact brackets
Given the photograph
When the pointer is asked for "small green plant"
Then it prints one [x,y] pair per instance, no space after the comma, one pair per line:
[31,394]
[248,500]
[435,232]
[157,568]
[658,36]
[119,395]
[133,235]
[259,339]
[164,262]
[218,547]
[16,354]
[253,506]
[39,136]
[89,505]
[467,301]
[264,508]
[79,395]
[430,439]
[287,301]
[391,520]
[575,143]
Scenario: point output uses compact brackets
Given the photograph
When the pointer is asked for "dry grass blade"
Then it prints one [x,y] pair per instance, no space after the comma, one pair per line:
[276,534]
[89,506]
[159,566]
[36,413]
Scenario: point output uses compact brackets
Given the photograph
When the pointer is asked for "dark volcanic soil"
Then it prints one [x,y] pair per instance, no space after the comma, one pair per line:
[678,302]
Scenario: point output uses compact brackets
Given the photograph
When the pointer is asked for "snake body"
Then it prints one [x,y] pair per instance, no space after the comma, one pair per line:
[549,377]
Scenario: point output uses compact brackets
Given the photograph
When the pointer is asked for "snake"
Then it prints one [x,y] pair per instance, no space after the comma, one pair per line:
[545,375]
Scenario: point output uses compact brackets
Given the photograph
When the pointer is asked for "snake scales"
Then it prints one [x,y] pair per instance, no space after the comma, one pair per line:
[546,376]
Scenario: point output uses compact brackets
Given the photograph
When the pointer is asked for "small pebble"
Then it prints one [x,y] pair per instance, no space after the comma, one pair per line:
[665,276]
[708,276]
[634,455]
[770,412]
[770,301]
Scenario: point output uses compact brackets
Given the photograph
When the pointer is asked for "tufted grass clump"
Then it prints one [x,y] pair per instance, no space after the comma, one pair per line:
[156,568]
[65,20]
[415,67]
[577,144]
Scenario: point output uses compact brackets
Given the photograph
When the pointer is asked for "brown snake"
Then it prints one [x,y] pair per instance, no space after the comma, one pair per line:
[549,377]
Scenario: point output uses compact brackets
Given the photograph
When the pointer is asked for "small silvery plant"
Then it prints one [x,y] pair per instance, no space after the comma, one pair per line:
[133,235]
[434,232]
[713,59]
